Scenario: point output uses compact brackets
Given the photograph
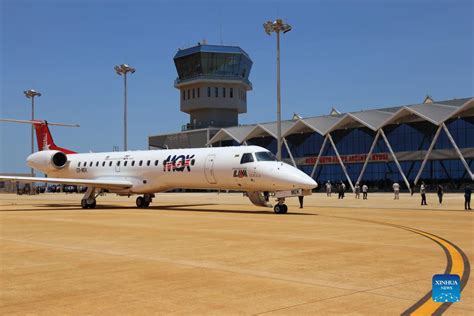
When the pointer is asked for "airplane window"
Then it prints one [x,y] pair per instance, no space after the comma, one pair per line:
[103,164]
[110,164]
[148,163]
[140,163]
[265,156]
[118,163]
[125,163]
[133,163]
[85,164]
[90,164]
[79,164]
[156,162]
[246,158]
[97,164]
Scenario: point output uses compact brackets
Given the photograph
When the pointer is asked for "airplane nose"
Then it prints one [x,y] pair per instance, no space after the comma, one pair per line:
[305,181]
[297,178]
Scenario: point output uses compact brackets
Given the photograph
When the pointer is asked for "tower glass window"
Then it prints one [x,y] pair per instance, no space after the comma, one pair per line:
[223,92]
[210,60]
[208,92]
[231,92]
[216,92]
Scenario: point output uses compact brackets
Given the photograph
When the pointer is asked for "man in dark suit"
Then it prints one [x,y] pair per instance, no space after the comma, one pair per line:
[467,198]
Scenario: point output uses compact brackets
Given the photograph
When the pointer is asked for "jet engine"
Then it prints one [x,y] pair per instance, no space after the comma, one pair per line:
[259,198]
[47,160]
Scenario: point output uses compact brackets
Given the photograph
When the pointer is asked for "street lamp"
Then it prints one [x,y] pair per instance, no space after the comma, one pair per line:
[270,27]
[31,94]
[124,69]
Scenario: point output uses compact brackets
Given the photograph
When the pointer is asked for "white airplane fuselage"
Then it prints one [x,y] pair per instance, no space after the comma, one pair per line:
[153,171]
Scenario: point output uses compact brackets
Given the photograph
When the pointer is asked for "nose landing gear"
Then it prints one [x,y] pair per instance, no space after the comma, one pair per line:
[144,202]
[280,207]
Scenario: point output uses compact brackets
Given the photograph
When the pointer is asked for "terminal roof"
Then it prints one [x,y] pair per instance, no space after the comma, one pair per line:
[436,113]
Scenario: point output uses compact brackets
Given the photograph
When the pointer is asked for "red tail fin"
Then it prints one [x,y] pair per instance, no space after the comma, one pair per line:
[45,140]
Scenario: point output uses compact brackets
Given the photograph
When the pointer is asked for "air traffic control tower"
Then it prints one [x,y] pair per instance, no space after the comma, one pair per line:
[213,81]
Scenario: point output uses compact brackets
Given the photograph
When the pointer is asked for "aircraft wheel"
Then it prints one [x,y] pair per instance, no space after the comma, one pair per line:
[84,203]
[92,205]
[285,209]
[140,202]
[278,209]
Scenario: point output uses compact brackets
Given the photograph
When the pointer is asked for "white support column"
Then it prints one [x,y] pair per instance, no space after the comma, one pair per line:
[430,149]
[289,152]
[340,162]
[451,139]
[319,156]
[368,156]
[395,159]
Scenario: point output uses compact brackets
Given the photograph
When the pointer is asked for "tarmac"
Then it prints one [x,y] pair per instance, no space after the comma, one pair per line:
[209,253]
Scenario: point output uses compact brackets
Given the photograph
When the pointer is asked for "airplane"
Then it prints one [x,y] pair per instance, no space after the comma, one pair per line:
[251,169]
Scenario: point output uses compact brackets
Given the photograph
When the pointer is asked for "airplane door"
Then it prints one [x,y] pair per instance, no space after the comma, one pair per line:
[209,169]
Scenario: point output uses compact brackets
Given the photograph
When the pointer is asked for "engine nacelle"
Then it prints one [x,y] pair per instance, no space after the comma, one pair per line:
[47,160]
[259,198]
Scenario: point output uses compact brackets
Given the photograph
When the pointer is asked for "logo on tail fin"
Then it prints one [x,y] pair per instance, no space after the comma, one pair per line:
[45,140]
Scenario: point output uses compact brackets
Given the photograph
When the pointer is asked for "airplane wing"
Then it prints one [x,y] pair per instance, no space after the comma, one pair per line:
[97,183]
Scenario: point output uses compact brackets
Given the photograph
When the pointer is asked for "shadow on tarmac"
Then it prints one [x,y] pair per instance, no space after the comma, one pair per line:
[178,208]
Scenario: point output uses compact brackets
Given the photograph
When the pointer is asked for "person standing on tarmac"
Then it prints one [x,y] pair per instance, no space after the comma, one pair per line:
[328,188]
[301,198]
[365,189]
[440,193]
[423,193]
[467,198]
[396,190]
[341,189]
[357,190]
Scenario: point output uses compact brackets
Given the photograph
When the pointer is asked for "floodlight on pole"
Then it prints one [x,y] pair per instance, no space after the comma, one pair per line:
[124,69]
[31,94]
[270,27]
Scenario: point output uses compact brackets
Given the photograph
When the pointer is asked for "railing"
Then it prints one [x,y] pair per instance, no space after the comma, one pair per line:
[214,77]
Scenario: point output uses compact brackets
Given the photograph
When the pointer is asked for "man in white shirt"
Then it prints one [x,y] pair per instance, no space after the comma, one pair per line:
[365,189]
[396,190]
[328,188]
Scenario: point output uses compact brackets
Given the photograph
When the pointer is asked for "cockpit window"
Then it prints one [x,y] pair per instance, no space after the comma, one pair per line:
[265,156]
[246,158]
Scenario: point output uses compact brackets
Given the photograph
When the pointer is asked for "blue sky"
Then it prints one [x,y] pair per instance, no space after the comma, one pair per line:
[350,54]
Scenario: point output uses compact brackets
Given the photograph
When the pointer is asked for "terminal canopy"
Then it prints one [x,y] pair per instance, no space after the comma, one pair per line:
[436,113]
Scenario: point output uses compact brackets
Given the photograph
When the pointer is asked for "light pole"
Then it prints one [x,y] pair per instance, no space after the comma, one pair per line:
[124,69]
[270,27]
[31,94]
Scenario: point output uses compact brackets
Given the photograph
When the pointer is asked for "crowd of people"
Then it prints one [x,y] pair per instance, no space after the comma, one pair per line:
[340,188]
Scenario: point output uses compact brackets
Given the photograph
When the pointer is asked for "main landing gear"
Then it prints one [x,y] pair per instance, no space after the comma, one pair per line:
[280,207]
[89,199]
[145,200]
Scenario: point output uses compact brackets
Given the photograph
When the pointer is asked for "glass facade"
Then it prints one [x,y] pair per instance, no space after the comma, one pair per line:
[203,61]
[405,139]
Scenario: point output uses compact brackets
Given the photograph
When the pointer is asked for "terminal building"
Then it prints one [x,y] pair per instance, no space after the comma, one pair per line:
[430,141]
